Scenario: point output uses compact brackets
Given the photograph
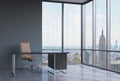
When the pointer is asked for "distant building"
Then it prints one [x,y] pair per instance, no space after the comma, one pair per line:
[102,55]
[116,47]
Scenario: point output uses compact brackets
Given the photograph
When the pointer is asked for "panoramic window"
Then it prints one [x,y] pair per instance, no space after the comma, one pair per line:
[52,33]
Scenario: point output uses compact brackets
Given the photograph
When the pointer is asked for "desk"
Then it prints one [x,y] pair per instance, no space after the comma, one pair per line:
[56,60]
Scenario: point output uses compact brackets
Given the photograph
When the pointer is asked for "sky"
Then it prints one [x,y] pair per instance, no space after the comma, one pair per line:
[52,30]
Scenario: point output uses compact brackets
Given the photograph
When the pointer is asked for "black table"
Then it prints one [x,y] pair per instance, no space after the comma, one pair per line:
[56,60]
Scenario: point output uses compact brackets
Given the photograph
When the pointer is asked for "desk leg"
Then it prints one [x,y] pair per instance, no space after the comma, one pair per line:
[54,63]
[40,66]
[13,66]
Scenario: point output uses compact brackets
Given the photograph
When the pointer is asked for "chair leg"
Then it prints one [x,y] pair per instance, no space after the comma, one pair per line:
[30,65]
[25,67]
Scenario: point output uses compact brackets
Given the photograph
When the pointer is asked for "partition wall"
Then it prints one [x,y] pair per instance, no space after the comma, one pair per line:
[90,32]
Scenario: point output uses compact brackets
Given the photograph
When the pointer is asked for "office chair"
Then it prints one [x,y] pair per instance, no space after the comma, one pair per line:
[25,54]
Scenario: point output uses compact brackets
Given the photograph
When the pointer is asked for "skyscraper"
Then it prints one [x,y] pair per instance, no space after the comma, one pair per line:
[102,54]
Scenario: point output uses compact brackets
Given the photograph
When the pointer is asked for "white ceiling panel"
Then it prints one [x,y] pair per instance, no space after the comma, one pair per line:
[70,1]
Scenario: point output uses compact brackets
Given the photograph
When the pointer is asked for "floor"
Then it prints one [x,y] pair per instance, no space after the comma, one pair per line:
[74,73]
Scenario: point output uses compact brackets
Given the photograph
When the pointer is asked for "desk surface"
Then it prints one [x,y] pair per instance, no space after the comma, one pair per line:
[45,52]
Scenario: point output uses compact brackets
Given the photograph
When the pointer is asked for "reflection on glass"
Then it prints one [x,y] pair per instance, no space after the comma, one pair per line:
[115,61]
[87,57]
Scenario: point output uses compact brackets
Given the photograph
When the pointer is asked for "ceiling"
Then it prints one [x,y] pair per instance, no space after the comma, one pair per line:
[71,1]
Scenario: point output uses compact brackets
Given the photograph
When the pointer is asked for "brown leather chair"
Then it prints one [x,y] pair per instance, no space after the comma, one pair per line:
[25,53]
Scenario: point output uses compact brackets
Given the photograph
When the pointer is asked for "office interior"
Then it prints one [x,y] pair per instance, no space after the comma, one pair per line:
[88,30]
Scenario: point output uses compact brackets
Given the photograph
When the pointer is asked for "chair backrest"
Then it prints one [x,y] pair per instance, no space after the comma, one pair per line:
[25,48]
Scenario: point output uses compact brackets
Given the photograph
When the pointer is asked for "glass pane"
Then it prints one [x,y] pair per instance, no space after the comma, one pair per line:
[72,34]
[72,26]
[88,24]
[100,24]
[51,25]
[115,25]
